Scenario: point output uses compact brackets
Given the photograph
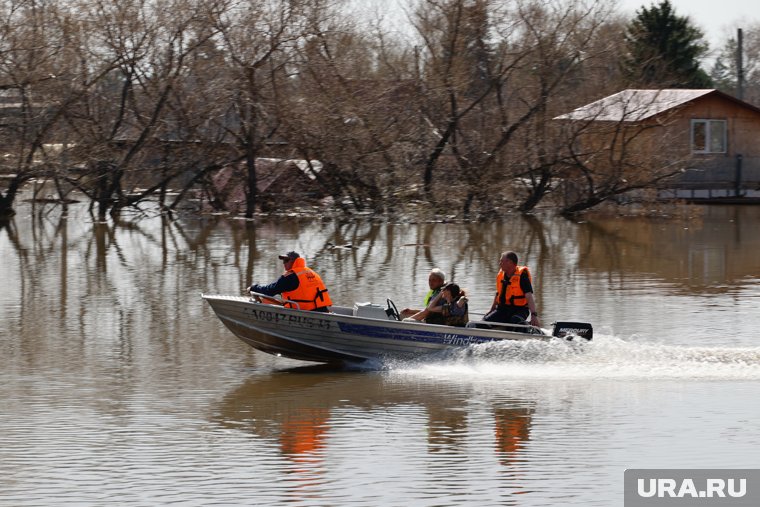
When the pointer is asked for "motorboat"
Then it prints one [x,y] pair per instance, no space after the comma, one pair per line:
[362,332]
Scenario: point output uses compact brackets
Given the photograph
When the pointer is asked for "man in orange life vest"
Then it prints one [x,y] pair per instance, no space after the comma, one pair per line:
[299,284]
[514,294]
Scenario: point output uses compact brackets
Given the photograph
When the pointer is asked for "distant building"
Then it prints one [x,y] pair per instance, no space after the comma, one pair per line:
[713,136]
[278,182]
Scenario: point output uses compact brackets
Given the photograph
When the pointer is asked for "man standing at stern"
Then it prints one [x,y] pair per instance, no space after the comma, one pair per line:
[298,284]
[514,299]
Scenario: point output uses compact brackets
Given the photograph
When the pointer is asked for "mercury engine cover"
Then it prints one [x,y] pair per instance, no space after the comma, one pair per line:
[570,330]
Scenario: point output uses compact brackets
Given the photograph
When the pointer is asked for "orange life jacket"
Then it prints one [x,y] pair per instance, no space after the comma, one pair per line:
[509,290]
[311,292]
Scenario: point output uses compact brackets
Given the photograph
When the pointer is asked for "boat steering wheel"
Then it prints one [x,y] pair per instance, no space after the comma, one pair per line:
[392,311]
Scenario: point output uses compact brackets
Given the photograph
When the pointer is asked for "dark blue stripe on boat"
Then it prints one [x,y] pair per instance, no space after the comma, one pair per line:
[412,335]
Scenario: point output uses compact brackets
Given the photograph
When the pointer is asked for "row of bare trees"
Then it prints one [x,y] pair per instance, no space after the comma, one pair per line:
[146,99]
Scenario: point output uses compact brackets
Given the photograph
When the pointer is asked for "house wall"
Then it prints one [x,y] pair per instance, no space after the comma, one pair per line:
[719,170]
[661,144]
[633,150]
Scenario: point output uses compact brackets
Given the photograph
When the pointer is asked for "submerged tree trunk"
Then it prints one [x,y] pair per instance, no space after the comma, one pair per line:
[8,199]
[103,192]
[250,194]
[6,207]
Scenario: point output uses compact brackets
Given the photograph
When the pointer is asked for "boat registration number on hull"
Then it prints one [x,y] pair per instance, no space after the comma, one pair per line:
[290,320]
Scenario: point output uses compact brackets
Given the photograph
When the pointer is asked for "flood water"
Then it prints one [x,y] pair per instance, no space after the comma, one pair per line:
[119,386]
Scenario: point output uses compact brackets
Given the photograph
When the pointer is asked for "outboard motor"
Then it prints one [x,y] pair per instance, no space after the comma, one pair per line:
[570,330]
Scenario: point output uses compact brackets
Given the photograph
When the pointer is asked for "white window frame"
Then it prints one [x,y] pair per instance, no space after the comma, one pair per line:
[712,128]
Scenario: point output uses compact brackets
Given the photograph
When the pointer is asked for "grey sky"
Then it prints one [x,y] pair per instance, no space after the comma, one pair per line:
[718,20]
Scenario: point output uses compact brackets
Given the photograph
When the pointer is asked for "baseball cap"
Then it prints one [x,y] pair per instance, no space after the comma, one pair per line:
[289,256]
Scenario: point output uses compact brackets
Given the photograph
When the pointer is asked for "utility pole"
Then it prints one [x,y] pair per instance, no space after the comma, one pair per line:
[739,65]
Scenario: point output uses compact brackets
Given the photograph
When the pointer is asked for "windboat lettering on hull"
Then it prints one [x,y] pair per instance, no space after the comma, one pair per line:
[290,320]
[460,340]
[416,335]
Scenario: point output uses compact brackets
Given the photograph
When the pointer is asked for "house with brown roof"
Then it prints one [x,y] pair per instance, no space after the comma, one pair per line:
[278,182]
[711,136]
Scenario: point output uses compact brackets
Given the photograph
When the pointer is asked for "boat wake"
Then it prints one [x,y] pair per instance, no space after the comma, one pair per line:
[604,357]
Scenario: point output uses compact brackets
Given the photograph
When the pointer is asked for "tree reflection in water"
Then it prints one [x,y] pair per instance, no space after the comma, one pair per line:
[102,328]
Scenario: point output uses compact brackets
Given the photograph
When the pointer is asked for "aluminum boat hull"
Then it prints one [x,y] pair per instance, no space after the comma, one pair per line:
[340,336]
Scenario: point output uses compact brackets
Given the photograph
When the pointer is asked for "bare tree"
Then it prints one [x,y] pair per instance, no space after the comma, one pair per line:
[352,108]
[126,101]
[615,146]
[125,124]
[257,38]
[34,57]
[492,69]
[571,48]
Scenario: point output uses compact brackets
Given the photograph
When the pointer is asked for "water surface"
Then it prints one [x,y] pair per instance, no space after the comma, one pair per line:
[119,385]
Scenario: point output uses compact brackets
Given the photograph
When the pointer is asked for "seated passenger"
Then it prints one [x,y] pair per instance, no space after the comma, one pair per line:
[449,307]
[436,280]
[299,284]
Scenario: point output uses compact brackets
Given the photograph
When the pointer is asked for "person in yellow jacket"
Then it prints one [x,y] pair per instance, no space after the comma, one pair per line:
[436,281]
[299,284]
[514,301]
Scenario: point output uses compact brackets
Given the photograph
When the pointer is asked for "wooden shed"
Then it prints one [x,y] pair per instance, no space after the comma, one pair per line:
[278,182]
[712,136]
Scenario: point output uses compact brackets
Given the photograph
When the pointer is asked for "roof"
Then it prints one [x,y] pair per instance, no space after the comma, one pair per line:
[637,105]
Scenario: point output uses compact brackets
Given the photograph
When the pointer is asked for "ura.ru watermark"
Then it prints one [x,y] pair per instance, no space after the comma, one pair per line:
[692,487]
